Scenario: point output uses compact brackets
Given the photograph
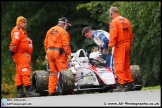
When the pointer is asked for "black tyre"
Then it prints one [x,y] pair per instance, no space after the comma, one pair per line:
[40,82]
[103,91]
[66,82]
[137,77]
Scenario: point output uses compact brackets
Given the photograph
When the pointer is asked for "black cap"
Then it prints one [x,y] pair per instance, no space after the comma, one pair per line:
[64,19]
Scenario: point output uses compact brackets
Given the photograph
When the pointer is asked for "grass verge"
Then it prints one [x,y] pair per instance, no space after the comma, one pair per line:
[152,88]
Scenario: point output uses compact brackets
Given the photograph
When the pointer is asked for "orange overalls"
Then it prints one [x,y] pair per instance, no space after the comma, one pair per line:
[121,38]
[56,37]
[22,46]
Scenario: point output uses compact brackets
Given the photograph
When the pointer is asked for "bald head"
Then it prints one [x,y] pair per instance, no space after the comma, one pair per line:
[113,9]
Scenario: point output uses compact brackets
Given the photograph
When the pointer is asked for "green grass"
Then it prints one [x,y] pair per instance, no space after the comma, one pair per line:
[152,88]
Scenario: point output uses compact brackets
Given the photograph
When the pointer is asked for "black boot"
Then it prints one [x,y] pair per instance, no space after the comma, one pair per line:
[31,93]
[21,94]
[120,88]
[129,86]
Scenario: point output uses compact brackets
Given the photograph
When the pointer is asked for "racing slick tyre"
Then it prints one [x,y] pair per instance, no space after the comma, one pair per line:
[137,77]
[40,82]
[66,82]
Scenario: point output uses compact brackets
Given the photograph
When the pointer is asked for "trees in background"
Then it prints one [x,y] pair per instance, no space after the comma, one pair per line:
[144,16]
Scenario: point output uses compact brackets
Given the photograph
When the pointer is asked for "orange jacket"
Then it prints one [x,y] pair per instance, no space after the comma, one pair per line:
[20,42]
[120,31]
[57,37]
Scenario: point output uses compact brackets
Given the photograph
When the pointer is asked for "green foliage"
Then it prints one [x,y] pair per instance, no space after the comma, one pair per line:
[152,87]
[98,11]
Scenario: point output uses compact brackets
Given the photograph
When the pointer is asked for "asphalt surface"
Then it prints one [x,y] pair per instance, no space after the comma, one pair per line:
[151,98]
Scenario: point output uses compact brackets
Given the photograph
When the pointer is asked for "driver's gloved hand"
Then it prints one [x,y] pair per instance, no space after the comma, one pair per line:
[109,50]
[69,58]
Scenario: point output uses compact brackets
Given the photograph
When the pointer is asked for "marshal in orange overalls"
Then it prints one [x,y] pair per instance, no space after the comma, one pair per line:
[22,46]
[56,38]
[121,38]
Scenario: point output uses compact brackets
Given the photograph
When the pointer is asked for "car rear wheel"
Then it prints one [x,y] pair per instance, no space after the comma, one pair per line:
[137,77]
[40,82]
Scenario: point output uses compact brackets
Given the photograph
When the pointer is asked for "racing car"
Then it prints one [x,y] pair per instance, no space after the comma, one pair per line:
[135,69]
[84,74]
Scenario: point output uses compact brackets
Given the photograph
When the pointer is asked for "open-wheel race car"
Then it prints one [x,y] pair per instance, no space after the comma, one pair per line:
[84,74]
[135,69]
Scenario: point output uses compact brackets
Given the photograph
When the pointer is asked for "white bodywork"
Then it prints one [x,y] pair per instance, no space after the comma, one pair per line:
[81,69]
[83,72]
